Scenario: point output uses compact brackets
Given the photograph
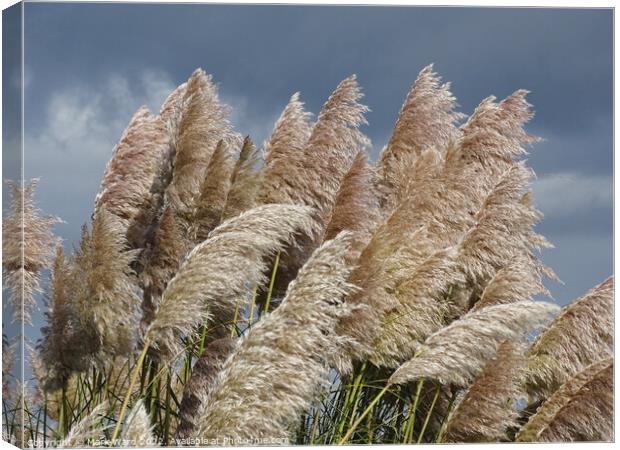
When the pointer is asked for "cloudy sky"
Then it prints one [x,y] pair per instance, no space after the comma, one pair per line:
[89,67]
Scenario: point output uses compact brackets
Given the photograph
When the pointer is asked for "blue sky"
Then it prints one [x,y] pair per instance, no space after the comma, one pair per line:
[88,67]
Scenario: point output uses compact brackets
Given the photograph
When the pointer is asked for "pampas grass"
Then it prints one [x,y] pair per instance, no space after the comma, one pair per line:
[137,431]
[587,415]
[214,192]
[203,123]
[217,272]
[547,413]
[357,204]
[581,335]
[27,248]
[283,153]
[56,334]
[91,427]
[458,353]
[127,186]
[427,119]
[245,182]
[314,297]
[274,373]
[204,374]
[487,410]
[104,288]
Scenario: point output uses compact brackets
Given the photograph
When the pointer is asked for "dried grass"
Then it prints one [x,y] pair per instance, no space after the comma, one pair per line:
[488,411]
[27,248]
[581,335]
[274,373]
[127,189]
[245,182]
[457,353]
[216,274]
[545,415]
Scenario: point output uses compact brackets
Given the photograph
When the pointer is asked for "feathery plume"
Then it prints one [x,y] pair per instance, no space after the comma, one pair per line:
[161,261]
[377,275]
[588,415]
[423,304]
[216,273]
[90,427]
[126,188]
[313,177]
[487,410]
[172,108]
[245,182]
[8,359]
[516,281]
[581,335]
[57,333]
[204,374]
[137,429]
[490,140]
[203,123]
[284,151]
[290,133]
[278,366]
[104,288]
[457,353]
[213,193]
[357,205]
[27,248]
[502,229]
[334,142]
[427,119]
[546,413]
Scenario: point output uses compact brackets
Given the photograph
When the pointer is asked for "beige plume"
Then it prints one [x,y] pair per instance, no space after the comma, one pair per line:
[427,119]
[57,333]
[27,248]
[274,373]
[245,182]
[283,152]
[90,427]
[127,186]
[588,415]
[457,353]
[488,410]
[203,123]
[581,335]
[104,289]
[219,271]
[213,193]
[546,413]
[357,205]
[137,429]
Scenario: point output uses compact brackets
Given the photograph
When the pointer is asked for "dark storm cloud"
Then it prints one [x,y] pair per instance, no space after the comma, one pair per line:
[89,66]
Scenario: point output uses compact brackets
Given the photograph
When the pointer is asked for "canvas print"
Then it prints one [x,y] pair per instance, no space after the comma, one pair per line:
[245,225]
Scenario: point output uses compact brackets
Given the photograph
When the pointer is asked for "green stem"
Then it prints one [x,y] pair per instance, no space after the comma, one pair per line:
[412,413]
[444,421]
[272,281]
[357,389]
[61,415]
[134,379]
[364,414]
[233,327]
[428,415]
[167,415]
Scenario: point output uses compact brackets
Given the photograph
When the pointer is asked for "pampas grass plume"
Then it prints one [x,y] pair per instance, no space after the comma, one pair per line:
[274,373]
